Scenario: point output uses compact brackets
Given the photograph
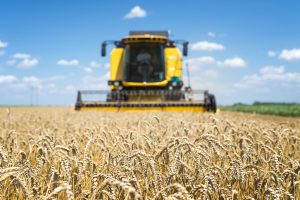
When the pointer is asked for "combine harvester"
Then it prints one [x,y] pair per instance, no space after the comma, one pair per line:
[146,75]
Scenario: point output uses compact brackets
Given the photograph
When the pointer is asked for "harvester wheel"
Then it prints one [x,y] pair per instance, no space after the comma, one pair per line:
[213,104]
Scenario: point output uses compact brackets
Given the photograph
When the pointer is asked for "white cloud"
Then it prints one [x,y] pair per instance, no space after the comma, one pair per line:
[68,62]
[56,78]
[207,46]
[90,82]
[211,74]
[88,69]
[28,63]
[272,53]
[274,73]
[93,82]
[198,62]
[32,81]
[23,61]
[272,70]
[7,79]
[70,88]
[22,56]
[266,74]
[107,66]
[195,64]
[94,64]
[107,75]
[211,34]
[293,54]
[11,62]
[201,60]
[51,86]
[136,12]
[3,44]
[235,62]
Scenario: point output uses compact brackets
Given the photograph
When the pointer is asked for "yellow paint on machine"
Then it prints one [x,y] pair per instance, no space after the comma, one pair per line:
[173,63]
[146,109]
[116,64]
[145,38]
[173,67]
[162,83]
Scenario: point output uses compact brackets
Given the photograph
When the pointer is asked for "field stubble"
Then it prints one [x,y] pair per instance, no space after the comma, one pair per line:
[53,153]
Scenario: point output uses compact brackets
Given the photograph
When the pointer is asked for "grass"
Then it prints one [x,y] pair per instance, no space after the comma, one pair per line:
[280,109]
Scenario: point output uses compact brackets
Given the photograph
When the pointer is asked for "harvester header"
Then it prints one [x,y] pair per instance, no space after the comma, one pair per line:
[146,74]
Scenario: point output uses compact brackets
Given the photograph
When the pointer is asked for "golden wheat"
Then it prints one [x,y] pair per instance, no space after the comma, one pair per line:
[55,153]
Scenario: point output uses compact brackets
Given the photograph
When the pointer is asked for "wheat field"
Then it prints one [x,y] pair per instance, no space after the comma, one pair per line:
[56,153]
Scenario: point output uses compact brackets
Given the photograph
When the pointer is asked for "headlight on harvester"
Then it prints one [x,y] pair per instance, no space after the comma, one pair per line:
[116,83]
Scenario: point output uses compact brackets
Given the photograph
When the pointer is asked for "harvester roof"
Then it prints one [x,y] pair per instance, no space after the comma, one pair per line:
[142,36]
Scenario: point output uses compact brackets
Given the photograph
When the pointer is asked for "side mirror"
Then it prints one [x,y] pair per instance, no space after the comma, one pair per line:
[103,49]
[185,48]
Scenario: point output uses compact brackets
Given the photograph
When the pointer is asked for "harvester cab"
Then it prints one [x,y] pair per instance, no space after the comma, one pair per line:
[146,74]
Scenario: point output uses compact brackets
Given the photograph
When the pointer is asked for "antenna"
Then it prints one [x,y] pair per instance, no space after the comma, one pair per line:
[34,95]
[188,74]
[31,96]
[37,96]
[170,33]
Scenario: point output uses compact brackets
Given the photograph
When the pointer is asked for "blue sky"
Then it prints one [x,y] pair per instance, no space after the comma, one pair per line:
[242,51]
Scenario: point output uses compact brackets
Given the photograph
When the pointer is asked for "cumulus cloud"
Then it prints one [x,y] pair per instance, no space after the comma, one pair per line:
[107,65]
[272,70]
[269,73]
[7,79]
[272,53]
[211,74]
[207,46]
[197,62]
[249,81]
[32,81]
[278,74]
[94,64]
[23,61]
[136,12]
[56,78]
[64,62]
[235,62]
[28,63]
[11,62]
[293,54]
[70,88]
[25,83]
[211,34]
[90,82]
[21,56]
[88,69]
[3,44]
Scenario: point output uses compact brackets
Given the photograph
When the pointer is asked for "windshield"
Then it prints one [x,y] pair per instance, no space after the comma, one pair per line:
[144,62]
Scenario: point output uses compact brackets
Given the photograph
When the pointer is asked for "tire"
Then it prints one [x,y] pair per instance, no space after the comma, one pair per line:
[213,103]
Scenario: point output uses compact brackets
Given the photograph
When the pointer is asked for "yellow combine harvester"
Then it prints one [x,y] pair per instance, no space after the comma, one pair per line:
[146,74]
